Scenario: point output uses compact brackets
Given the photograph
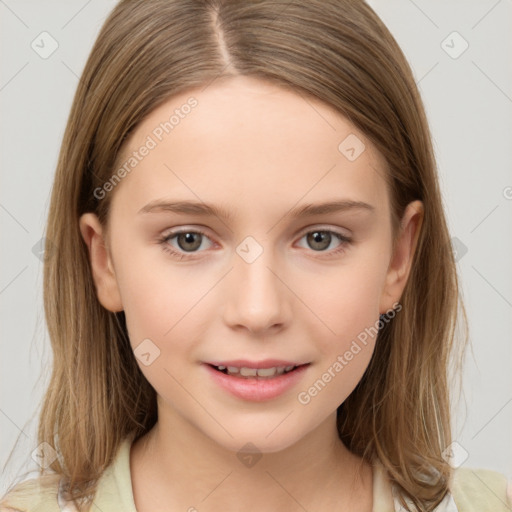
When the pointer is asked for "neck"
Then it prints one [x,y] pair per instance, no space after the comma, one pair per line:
[178,465]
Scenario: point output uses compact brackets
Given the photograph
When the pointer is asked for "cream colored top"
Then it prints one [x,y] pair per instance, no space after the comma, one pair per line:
[470,491]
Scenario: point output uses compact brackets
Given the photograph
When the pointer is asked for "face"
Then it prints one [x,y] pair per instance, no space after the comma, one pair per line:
[220,254]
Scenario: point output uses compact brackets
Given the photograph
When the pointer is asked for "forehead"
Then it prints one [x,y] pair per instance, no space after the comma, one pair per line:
[247,138]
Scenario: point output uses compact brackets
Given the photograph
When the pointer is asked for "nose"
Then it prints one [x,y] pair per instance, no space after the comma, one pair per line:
[256,298]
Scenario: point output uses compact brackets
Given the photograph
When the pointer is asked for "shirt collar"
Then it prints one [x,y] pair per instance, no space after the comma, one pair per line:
[115,490]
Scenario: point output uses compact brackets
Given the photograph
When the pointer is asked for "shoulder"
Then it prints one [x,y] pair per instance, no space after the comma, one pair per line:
[37,494]
[480,490]
[43,494]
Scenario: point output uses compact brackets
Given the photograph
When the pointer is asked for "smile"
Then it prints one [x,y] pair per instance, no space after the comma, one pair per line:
[245,372]
[256,384]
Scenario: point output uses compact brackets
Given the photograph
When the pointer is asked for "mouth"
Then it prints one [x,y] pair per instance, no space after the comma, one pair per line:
[256,381]
[248,372]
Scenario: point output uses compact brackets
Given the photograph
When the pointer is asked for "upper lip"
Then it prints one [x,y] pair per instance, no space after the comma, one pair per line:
[266,363]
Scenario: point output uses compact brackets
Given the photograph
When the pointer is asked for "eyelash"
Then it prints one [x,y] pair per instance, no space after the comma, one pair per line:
[164,242]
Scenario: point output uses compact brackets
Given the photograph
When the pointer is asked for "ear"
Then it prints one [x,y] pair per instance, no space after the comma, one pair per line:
[101,263]
[402,258]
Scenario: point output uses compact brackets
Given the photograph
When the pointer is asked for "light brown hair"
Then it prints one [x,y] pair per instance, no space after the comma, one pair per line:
[338,51]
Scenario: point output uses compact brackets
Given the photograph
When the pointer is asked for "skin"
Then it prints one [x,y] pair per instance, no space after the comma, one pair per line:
[258,151]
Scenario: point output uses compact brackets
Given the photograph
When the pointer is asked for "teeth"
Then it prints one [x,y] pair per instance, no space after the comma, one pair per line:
[248,372]
[266,372]
[256,372]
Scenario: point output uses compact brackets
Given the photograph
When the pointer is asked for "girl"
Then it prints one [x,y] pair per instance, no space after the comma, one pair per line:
[253,298]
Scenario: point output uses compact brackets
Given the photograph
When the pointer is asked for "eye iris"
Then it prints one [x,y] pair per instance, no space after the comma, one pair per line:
[319,239]
[189,238]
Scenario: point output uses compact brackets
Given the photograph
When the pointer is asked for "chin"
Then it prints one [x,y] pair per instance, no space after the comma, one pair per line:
[258,439]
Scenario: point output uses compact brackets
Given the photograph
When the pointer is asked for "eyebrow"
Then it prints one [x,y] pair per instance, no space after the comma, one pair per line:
[205,209]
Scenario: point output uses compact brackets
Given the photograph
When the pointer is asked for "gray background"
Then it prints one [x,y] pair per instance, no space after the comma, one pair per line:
[468,98]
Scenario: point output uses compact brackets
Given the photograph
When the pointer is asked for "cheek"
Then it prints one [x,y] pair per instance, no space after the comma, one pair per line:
[345,342]
[162,310]
[155,292]
[346,299]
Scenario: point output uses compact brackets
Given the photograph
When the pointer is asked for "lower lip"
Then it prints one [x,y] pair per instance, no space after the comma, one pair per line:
[254,389]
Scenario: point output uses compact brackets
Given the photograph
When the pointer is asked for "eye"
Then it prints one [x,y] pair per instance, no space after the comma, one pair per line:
[188,241]
[322,239]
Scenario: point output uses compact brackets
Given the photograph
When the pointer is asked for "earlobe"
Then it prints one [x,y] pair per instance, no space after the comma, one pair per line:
[402,258]
[101,264]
